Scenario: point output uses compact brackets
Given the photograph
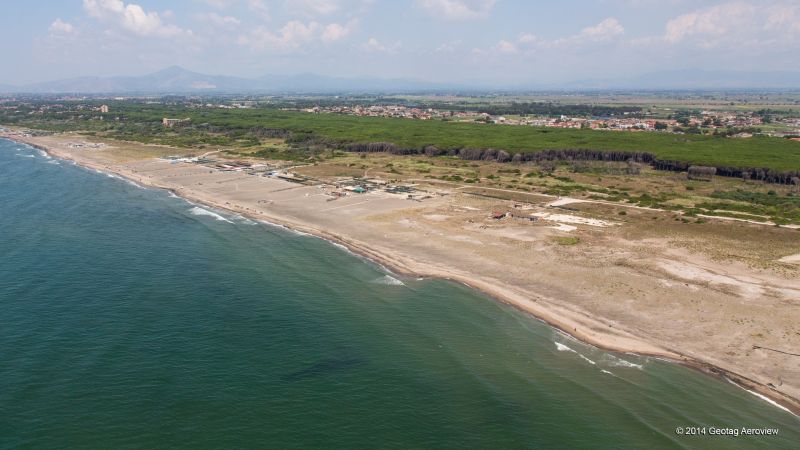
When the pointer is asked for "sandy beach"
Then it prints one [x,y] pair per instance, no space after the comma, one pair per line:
[626,287]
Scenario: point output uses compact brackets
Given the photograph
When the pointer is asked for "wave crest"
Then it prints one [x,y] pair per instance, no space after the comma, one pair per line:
[198,211]
[389,281]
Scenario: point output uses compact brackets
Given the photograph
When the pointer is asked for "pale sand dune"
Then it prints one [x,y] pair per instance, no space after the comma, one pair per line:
[647,298]
[791,259]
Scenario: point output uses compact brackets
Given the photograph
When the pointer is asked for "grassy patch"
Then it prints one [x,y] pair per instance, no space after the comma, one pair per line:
[567,240]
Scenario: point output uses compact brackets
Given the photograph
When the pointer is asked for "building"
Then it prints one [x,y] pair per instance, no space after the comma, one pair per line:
[169,123]
[104,109]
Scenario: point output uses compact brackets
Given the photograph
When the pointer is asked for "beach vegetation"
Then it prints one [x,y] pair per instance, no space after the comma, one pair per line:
[567,240]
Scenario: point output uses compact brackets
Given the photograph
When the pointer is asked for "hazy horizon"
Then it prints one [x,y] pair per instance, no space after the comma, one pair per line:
[468,42]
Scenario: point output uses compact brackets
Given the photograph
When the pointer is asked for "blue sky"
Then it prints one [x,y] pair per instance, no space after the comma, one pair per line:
[467,41]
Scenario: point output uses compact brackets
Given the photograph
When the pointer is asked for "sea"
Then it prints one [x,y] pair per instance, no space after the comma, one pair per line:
[131,318]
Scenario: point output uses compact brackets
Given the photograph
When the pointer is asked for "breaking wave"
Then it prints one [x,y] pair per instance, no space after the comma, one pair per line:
[277,225]
[563,348]
[764,397]
[198,211]
[614,361]
[389,281]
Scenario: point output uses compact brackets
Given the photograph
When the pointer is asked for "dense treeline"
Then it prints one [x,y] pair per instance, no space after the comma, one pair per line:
[584,154]
[757,158]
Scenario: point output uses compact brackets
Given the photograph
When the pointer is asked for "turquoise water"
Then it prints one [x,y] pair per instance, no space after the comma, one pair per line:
[133,319]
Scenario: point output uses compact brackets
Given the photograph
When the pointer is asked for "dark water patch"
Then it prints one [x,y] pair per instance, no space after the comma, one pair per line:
[325,367]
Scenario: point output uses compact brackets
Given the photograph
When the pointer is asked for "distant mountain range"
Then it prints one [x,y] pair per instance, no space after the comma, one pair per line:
[696,79]
[181,81]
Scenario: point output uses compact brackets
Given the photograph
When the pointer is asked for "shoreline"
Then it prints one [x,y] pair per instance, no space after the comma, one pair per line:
[527,303]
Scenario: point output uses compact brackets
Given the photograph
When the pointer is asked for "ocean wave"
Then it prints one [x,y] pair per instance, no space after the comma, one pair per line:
[53,161]
[245,220]
[198,211]
[134,184]
[614,361]
[25,155]
[343,247]
[623,363]
[389,281]
[565,335]
[563,348]
[118,177]
[44,154]
[763,397]
[605,371]
[587,360]
[284,227]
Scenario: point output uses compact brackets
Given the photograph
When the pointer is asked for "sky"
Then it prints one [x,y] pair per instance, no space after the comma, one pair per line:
[465,41]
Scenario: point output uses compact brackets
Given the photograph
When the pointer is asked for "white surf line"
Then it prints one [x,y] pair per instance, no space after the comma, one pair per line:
[345,206]
[762,397]
[563,348]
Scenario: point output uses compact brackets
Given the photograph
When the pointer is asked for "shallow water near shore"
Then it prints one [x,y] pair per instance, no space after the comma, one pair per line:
[131,318]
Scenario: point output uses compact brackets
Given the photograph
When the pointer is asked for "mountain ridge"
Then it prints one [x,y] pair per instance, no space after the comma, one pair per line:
[176,79]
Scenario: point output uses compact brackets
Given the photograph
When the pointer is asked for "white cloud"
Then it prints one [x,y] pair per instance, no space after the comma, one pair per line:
[219,20]
[458,9]
[375,46]
[296,34]
[505,47]
[312,7]
[714,21]
[131,17]
[334,31]
[527,38]
[293,35]
[603,30]
[59,27]
[220,4]
[258,7]
[736,23]
[448,47]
